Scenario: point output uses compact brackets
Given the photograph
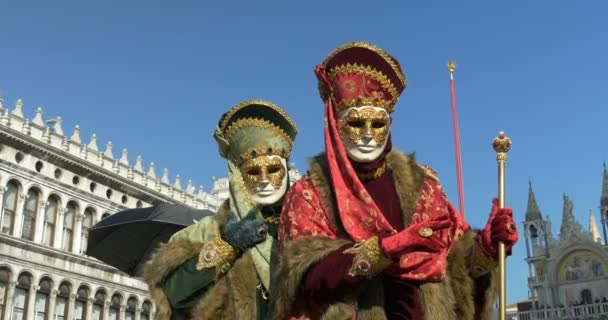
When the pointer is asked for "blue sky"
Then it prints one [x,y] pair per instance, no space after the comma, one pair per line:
[155,77]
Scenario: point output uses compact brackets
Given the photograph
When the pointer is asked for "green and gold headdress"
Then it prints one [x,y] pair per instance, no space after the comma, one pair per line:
[253,128]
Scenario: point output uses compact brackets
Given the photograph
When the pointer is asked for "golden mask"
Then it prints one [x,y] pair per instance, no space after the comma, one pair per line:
[263,168]
[365,122]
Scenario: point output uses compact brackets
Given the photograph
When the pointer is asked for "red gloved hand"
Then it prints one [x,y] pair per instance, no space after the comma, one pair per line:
[500,228]
[424,236]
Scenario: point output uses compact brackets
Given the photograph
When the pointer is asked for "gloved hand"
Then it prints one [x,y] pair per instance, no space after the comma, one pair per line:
[500,228]
[424,236]
[244,234]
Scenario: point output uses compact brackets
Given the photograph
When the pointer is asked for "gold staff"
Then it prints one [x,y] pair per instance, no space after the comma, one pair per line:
[501,145]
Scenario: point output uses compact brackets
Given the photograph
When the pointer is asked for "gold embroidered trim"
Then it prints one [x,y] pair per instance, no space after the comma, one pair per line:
[260,123]
[480,263]
[256,152]
[256,102]
[374,174]
[380,52]
[368,260]
[273,219]
[216,253]
[385,82]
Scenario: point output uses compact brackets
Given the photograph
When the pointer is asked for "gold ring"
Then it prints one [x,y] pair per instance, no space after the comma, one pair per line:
[511,228]
[425,232]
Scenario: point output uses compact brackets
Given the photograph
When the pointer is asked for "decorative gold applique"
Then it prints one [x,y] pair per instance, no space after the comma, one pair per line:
[216,253]
[260,123]
[259,102]
[380,52]
[480,263]
[263,168]
[368,71]
[365,122]
[374,174]
[256,152]
[426,232]
[263,291]
[273,219]
[368,260]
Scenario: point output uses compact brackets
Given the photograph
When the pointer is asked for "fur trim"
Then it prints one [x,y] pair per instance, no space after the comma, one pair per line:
[167,257]
[233,296]
[297,257]
[408,176]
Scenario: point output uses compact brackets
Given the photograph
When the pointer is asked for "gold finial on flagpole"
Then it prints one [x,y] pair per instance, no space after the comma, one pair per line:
[451,66]
[502,145]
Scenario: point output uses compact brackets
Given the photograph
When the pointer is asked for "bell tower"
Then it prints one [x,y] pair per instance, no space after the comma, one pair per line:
[537,249]
[604,203]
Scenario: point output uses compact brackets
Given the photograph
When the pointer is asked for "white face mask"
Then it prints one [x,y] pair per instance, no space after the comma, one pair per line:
[265,178]
[364,131]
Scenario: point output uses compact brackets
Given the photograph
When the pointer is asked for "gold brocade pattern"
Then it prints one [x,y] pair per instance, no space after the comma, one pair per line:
[375,174]
[273,219]
[247,103]
[263,168]
[260,123]
[368,71]
[216,253]
[368,259]
[380,52]
[365,122]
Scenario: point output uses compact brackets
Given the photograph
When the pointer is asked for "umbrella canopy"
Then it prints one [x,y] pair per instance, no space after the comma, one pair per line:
[126,239]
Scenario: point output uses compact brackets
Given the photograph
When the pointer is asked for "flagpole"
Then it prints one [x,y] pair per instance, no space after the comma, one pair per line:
[451,68]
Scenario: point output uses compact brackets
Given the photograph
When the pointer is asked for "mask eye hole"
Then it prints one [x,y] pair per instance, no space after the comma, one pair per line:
[274,169]
[253,172]
[378,124]
[356,124]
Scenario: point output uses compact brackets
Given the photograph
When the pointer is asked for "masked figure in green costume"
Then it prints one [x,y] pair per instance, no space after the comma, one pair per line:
[219,268]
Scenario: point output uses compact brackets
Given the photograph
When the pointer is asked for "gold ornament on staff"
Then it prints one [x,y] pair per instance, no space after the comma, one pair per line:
[501,145]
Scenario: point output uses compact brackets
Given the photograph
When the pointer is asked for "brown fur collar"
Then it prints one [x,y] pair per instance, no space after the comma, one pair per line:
[298,256]
[233,296]
[168,257]
[407,174]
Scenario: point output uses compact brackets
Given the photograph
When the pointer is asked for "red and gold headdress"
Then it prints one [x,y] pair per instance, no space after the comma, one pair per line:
[357,74]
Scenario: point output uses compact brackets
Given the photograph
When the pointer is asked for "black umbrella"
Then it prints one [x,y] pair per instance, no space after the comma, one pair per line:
[125,240]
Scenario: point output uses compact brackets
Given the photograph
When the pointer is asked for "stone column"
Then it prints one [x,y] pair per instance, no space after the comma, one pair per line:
[77,233]
[121,313]
[1,204]
[106,311]
[18,223]
[8,306]
[31,302]
[89,310]
[40,221]
[138,312]
[59,228]
[71,306]
[152,314]
[52,304]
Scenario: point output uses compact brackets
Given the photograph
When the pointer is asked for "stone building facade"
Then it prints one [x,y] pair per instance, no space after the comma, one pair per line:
[53,188]
[568,274]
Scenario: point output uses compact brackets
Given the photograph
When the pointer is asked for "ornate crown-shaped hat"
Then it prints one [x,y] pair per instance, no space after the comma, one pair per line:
[253,128]
[359,74]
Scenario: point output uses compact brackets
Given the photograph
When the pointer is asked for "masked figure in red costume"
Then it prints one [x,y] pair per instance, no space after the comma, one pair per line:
[368,232]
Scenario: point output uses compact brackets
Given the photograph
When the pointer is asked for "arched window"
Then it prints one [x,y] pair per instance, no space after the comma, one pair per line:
[30,209]
[105,215]
[42,299]
[146,309]
[115,307]
[100,300]
[7,217]
[81,303]
[50,218]
[68,226]
[87,222]
[20,299]
[131,309]
[61,304]
[5,278]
